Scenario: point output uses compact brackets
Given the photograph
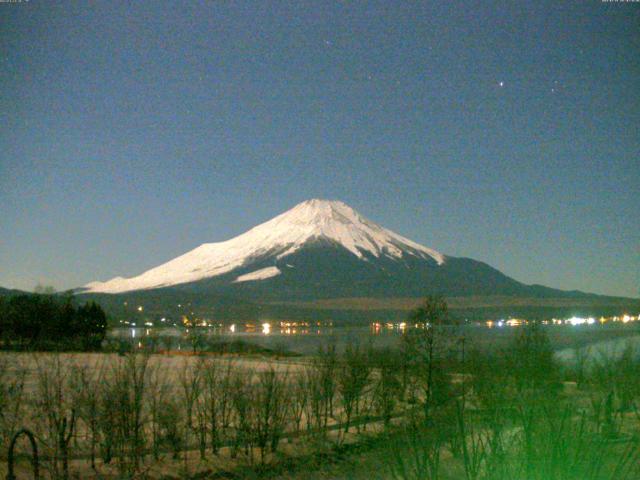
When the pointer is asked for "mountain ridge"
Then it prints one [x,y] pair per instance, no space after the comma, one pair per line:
[279,237]
[322,249]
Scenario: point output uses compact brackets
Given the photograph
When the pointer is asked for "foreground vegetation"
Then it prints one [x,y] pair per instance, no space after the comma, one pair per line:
[433,409]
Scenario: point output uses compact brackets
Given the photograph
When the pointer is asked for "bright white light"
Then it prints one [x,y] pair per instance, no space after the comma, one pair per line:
[577,321]
[266,328]
[232,328]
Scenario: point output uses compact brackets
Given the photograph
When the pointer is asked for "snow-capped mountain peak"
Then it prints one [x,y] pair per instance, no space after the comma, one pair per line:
[279,237]
[336,221]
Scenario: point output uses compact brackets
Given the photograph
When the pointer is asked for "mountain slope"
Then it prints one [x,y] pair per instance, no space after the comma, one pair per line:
[305,224]
[317,250]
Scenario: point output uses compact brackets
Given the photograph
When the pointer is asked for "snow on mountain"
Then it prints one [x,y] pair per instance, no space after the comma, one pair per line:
[261,274]
[283,235]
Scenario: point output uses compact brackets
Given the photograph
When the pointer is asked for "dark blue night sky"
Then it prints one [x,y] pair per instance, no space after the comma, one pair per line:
[508,132]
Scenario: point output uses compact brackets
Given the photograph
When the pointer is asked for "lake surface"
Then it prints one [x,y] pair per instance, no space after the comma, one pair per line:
[299,340]
[307,339]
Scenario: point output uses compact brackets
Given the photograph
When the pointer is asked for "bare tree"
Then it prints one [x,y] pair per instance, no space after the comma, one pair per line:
[300,399]
[11,399]
[316,407]
[190,380]
[242,397]
[217,400]
[423,345]
[56,405]
[123,411]
[171,425]
[158,390]
[167,342]
[86,382]
[387,388]
[353,377]
[271,405]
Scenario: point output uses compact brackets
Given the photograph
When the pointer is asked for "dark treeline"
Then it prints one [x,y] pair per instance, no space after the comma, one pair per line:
[172,304]
[50,322]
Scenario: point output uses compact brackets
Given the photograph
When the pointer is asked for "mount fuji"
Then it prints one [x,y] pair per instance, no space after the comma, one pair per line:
[321,249]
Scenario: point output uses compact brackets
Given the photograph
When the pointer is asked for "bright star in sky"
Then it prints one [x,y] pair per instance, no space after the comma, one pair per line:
[239,108]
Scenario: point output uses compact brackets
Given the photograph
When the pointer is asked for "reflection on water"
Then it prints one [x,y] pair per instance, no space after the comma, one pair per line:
[285,329]
[302,328]
[300,337]
[208,327]
[306,336]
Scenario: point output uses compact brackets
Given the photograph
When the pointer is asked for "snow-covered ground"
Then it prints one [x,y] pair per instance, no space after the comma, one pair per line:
[259,274]
[601,351]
